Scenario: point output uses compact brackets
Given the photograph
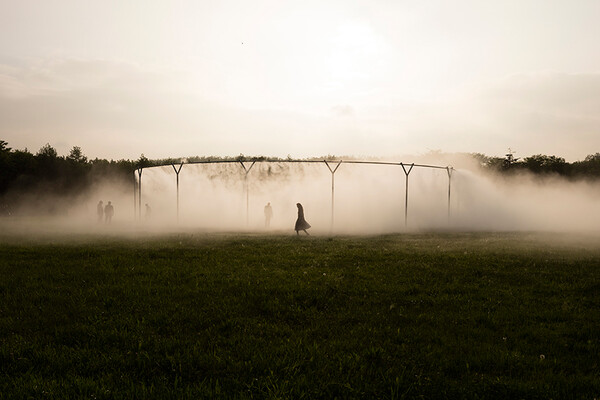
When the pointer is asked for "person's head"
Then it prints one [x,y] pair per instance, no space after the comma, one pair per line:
[100,202]
[109,203]
[298,205]
[269,203]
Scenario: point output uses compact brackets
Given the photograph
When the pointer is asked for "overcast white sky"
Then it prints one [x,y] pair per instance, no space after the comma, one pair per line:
[304,78]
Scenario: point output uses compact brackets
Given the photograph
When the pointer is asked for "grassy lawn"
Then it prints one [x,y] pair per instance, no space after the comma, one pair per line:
[444,315]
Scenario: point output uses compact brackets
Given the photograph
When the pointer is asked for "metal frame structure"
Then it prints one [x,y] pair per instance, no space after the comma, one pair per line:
[332,165]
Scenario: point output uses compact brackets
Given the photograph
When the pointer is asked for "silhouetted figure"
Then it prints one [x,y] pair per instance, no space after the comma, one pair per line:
[301,224]
[109,211]
[148,211]
[100,211]
[268,214]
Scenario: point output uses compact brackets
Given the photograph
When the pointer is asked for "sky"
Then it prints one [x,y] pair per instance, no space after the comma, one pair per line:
[301,78]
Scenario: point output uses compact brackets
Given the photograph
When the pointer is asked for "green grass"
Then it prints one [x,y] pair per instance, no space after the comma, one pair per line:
[271,316]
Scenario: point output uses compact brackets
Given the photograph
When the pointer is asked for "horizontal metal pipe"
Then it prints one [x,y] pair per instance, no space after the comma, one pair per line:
[308,161]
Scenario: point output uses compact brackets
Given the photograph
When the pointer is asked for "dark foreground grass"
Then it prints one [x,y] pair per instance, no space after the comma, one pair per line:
[244,316]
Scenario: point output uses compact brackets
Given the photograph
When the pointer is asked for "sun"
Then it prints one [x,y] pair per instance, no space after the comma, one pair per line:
[356,55]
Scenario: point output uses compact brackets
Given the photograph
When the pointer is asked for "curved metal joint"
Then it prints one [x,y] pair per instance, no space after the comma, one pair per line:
[177,170]
[404,168]
[246,170]
[334,169]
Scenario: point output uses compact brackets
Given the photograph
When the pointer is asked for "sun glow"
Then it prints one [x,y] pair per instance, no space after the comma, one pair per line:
[355,52]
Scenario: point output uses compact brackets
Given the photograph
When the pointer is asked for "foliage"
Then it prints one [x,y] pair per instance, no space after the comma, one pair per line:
[470,316]
[76,156]
[540,164]
[24,172]
[545,164]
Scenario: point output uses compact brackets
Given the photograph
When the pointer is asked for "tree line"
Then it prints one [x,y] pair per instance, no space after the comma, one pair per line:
[22,171]
[540,164]
[45,171]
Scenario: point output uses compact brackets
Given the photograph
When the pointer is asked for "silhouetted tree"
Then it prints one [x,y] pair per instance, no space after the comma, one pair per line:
[143,162]
[47,151]
[76,155]
[589,167]
[4,147]
[545,164]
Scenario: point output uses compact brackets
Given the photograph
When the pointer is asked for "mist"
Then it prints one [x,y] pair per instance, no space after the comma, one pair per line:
[368,199]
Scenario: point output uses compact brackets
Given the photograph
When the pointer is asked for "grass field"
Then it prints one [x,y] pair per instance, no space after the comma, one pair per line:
[444,315]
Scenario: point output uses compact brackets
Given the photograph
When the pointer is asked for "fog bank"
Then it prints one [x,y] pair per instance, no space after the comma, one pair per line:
[368,199]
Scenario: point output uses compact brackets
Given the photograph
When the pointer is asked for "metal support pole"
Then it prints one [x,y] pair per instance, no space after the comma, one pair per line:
[140,193]
[449,170]
[134,197]
[332,187]
[177,170]
[406,192]
[247,170]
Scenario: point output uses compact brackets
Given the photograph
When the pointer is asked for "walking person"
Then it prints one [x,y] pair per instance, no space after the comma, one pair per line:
[301,224]
[100,211]
[109,211]
[268,214]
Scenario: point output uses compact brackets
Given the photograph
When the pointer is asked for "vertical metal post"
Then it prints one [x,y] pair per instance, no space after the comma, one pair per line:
[247,170]
[449,170]
[140,193]
[332,188]
[406,192]
[177,170]
[134,197]
[332,198]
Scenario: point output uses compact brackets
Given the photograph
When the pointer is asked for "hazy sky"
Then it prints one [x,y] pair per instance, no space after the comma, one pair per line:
[304,78]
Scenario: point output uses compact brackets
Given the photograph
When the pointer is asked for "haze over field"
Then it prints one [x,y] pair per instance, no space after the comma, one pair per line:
[171,79]
[369,199]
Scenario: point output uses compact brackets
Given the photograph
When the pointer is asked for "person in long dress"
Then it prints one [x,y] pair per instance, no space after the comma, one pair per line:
[301,224]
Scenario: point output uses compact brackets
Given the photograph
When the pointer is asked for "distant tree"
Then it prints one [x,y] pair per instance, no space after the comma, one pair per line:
[47,151]
[6,166]
[4,146]
[589,167]
[76,156]
[19,169]
[143,162]
[47,164]
[545,164]
[491,163]
[24,161]
[592,158]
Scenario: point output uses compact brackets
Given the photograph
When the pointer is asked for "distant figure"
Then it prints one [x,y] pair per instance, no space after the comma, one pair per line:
[148,211]
[301,224]
[268,214]
[100,211]
[109,211]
